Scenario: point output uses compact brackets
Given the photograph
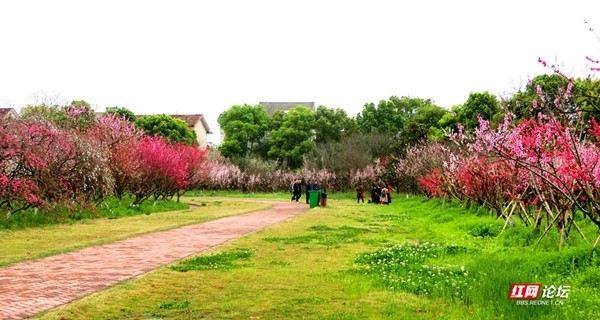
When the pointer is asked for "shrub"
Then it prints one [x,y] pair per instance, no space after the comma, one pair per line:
[484,230]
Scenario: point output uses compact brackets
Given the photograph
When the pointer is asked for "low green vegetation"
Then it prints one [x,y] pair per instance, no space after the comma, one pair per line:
[405,267]
[114,208]
[111,208]
[183,304]
[414,259]
[236,194]
[31,243]
[221,260]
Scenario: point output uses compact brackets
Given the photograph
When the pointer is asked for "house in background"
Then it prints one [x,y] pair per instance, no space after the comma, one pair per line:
[284,106]
[8,113]
[197,123]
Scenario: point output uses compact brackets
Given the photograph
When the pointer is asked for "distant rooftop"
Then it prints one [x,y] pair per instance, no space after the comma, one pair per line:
[8,113]
[189,119]
[192,119]
[284,106]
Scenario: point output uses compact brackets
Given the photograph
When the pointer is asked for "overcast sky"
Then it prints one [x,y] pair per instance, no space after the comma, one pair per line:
[205,56]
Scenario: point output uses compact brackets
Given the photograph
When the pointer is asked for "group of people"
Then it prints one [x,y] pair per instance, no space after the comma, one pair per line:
[379,195]
[297,189]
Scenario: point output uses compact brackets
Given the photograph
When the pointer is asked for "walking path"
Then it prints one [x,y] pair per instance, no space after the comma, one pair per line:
[34,286]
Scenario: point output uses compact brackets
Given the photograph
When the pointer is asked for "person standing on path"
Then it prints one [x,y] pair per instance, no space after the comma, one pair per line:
[297,189]
[389,192]
[293,188]
[360,193]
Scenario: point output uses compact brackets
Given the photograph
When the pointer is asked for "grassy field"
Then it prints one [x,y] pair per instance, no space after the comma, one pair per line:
[414,259]
[30,243]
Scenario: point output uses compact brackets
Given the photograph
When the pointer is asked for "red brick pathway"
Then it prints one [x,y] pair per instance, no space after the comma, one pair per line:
[31,287]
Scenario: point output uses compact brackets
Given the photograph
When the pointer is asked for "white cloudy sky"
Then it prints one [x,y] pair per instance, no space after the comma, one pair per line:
[205,56]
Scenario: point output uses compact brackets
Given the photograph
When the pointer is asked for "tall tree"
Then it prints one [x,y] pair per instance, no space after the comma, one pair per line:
[483,104]
[389,116]
[294,138]
[384,118]
[587,96]
[423,124]
[520,104]
[332,124]
[584,96]
[174,130]
[243,128]
[448,122]
[276,120]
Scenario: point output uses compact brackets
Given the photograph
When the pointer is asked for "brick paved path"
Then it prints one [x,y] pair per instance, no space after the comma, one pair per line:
[31,287]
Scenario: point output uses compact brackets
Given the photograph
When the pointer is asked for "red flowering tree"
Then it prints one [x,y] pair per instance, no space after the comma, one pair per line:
[18,166]
[161,169]
[45,164]
[560,162]
[192,160]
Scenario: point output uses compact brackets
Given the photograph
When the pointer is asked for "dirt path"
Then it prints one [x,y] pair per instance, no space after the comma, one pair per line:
[31,287]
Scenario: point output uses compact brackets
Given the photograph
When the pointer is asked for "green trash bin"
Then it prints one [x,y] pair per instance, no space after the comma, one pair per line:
[315,196]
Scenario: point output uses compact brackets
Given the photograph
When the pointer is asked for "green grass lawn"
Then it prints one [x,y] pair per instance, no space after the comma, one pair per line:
[414,259]
[30,243]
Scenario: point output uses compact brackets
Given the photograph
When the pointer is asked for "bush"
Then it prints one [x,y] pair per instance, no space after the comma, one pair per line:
[484,230]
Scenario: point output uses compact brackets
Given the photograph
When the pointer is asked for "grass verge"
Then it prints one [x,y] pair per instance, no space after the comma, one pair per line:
[111,208]
[31,243]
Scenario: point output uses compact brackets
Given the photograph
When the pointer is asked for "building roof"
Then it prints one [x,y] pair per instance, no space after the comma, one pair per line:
[8,112]
[284,106]
[192,119]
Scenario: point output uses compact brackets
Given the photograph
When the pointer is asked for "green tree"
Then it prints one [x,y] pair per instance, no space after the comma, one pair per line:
[243,127]
[389,116]
[423,124]
[447,123]
[331,125]
[482,104]
[174,130]
[294,138]
[386,117]
[123,112]
[520,104]
[276,120]
[585,96]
